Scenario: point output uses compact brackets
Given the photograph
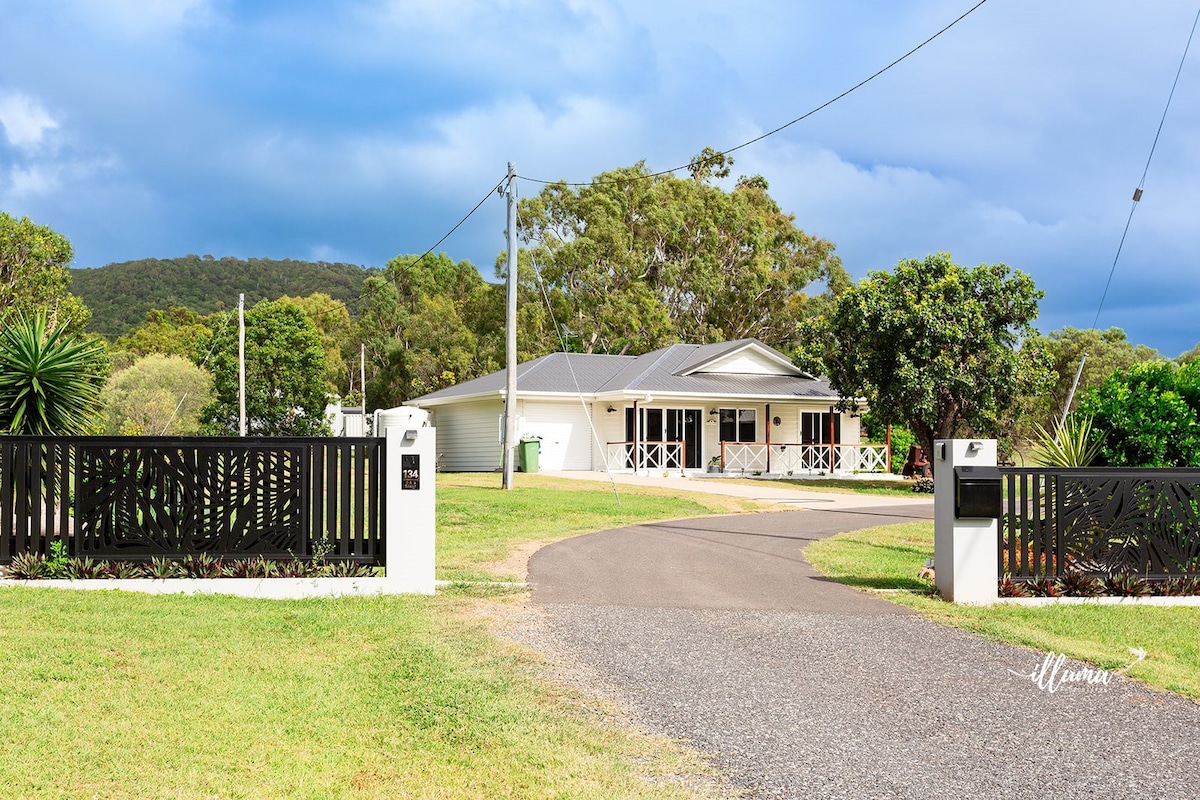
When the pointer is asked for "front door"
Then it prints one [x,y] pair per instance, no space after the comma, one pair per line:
[821,427]
[668,425]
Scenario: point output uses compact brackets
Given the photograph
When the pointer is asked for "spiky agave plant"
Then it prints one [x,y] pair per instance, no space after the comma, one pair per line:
[1073,444]
[49,378]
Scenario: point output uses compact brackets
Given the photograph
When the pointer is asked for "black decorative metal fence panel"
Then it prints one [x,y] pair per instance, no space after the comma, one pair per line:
[1104,521]
[137,497]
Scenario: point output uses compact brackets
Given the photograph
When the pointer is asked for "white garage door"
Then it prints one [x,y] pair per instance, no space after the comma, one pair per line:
[566,437]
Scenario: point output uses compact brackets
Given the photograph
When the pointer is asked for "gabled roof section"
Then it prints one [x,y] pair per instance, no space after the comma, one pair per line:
[743,357]
[555,373]
[745,368]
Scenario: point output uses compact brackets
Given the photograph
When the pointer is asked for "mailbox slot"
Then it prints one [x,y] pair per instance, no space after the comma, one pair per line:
[977,493]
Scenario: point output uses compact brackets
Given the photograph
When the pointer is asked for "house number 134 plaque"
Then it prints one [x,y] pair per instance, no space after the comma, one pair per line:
[410,472]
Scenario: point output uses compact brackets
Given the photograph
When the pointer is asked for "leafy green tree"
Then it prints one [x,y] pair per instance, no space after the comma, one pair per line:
[634,260]
[931,345]
[332,321]
[50,378]
[285,374]
[173,332]
[158,395]
[1107,352]
[35,275]
[427,323]
[1149,415]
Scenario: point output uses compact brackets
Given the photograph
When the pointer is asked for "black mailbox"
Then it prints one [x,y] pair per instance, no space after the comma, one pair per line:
[977,493]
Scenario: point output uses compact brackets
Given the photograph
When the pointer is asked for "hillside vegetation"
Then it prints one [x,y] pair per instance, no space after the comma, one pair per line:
[119,295]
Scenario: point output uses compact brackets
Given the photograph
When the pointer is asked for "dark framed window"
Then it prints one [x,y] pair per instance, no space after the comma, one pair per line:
[738,425]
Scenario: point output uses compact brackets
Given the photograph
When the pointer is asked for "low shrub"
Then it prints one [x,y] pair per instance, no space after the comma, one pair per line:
[923,486]
[1010,588]
[1079,584]
[29,566]
[1126,585]
[1046,587]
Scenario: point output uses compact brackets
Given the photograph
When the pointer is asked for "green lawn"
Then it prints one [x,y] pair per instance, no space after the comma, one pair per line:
[888,558]
[479,524]
[116,695]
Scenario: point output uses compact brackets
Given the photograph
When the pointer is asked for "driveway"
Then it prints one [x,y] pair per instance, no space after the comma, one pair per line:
[717,632]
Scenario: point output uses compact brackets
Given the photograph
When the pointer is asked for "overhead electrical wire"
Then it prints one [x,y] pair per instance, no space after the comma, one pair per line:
[365,294]
[1137,192]
[785,125]
[1137,197]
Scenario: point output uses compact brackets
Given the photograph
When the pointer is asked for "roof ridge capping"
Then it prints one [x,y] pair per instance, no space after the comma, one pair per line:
[710,356]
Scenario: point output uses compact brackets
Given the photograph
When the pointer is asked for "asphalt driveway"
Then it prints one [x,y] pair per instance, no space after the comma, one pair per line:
[717,632]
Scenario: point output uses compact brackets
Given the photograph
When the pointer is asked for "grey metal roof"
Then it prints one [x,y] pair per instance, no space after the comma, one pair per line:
[552,373]
[661,371]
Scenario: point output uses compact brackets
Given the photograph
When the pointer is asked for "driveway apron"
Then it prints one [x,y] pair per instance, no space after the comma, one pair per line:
[716,631]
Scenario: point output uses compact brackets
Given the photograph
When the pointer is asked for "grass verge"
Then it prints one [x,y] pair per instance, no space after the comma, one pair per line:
[480,524]
[116,694]
[113,694]
[889,558]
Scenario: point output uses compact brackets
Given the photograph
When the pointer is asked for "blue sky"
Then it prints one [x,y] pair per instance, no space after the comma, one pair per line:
[359,130]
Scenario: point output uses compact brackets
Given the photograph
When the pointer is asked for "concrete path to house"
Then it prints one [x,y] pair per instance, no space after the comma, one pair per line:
[765,491]
[717,632]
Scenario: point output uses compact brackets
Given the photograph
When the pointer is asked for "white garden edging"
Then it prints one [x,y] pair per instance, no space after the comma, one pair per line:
[1101,601]
[263,588]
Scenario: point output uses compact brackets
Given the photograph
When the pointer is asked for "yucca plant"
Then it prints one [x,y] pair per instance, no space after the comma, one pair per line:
[1072,445]
[49,379]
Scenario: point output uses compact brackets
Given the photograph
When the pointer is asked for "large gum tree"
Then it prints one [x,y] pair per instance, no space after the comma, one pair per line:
[636,260]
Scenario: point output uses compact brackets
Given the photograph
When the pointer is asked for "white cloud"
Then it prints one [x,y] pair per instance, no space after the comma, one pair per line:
[27,181]
[146,18]
[24,119]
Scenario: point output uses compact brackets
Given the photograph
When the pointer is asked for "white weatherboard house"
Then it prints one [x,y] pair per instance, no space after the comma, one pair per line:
[676,409]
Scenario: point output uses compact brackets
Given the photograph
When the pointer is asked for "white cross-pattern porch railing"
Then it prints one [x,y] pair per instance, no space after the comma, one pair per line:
[650,455]
[809,458]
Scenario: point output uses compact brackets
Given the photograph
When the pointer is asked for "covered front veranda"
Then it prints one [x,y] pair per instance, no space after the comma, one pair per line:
[740,438]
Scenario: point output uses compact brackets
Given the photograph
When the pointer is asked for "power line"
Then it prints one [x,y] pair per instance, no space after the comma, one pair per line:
[1137,192]
[365,294]
[785,125]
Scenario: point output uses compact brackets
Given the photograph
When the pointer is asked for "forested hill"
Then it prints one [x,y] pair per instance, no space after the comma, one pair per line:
[119,295]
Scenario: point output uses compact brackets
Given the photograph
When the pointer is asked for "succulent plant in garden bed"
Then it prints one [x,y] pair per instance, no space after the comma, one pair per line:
[1012,588]
[1079,584]
[34,566]
[1126,585]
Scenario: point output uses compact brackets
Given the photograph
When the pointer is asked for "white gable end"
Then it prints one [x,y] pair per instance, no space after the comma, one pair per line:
[748,361]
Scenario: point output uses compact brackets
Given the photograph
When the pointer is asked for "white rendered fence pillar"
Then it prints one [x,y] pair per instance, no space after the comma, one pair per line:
[410,506]
[964,550]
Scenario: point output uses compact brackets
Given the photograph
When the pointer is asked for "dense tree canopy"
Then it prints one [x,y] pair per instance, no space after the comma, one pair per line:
[1148,415]
[34,273]
[1107,352]
[931,345]
[119,295]
[635,260]
[173,332]
[428,323]
[332,322]
[285,374]
[158,395]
